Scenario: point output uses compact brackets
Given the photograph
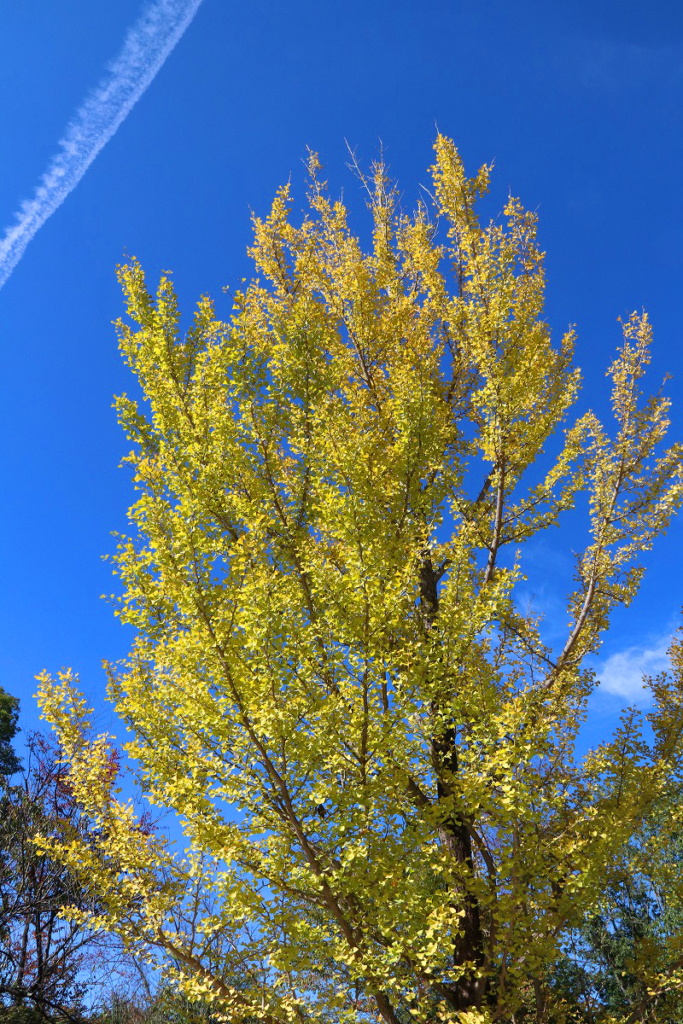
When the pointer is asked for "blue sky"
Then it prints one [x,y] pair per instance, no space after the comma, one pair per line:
[579,104]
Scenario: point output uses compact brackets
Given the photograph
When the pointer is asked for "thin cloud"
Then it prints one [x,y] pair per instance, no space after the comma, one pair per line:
[146,47]
[618,67]
[622,674]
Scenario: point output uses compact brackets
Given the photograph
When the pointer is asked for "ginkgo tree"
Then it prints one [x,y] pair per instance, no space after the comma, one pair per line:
[369,745]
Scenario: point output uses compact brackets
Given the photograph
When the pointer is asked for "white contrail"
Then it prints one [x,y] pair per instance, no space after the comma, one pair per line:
[146,47]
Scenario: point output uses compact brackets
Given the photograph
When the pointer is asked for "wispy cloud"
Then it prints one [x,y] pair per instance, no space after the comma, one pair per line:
[618,67]
[622,674]
[146,47]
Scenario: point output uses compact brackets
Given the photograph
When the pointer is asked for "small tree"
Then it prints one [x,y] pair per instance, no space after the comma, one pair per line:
[9,713]
[370,747]
[49,966]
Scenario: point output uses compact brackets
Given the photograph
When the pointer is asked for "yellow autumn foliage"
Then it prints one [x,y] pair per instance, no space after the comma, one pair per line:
[369,746]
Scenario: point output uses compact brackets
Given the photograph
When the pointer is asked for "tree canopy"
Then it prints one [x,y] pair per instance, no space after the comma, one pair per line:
[50,967]
[369,744]
[9,714]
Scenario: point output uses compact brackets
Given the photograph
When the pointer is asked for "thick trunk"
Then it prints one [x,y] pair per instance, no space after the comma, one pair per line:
[470,991]
[469,946]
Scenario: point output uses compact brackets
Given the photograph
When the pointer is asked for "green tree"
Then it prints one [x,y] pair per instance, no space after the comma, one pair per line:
[164,1006]
[370,748]
[9,713]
